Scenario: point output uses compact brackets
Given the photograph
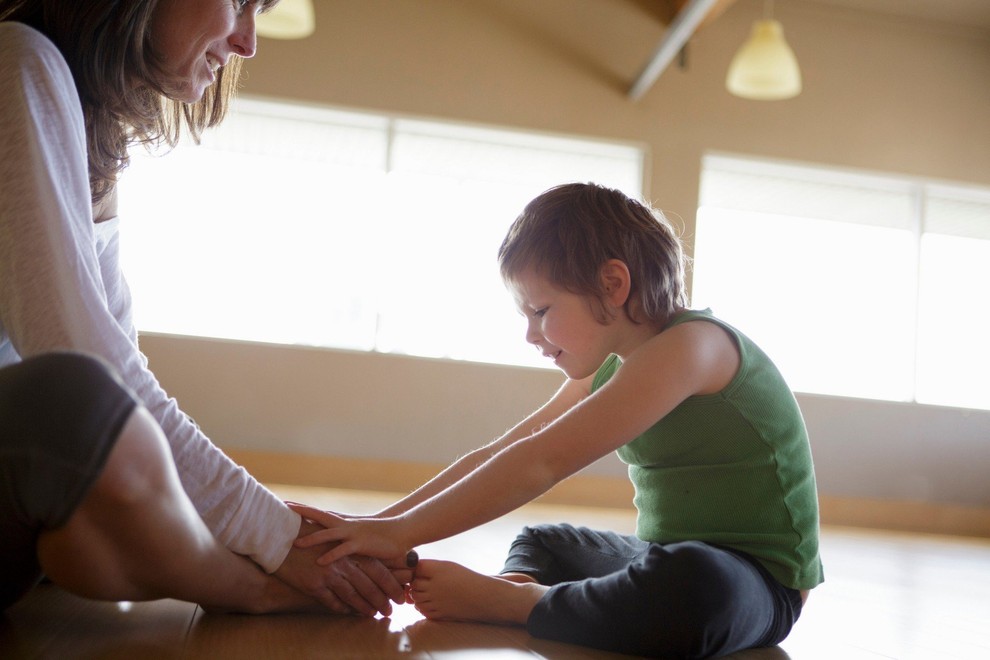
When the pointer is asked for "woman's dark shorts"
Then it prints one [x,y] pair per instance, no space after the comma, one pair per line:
[60,415]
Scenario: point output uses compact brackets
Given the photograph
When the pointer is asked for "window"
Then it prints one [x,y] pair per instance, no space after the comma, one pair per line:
[855,284]
[304,225]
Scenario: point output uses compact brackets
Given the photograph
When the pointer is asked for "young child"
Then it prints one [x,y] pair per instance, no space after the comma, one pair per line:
[726,546]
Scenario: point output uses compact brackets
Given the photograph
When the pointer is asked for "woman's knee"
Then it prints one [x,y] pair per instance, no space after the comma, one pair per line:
[60,398]
[101,550]
[61,414]
[51,374]
[138,467]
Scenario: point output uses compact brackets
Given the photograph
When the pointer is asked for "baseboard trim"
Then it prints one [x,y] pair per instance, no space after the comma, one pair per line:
[597,491]
[402,477]
[905,516]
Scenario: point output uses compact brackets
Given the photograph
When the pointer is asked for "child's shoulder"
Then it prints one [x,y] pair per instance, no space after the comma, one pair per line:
[695,329]
[686,316]
[694,345]
[698,328]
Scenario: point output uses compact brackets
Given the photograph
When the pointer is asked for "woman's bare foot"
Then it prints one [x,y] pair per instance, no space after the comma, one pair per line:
[445,590]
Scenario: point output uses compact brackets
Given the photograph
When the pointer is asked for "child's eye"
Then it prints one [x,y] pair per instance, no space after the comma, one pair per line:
[540,313]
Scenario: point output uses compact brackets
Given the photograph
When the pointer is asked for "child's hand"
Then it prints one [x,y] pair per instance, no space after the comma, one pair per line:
[344,516]
[375,538]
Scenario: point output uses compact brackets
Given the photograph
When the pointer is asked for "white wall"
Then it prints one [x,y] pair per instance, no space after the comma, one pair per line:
[372,406]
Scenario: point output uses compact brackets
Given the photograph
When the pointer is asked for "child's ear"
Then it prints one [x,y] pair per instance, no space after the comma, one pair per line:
[616,282]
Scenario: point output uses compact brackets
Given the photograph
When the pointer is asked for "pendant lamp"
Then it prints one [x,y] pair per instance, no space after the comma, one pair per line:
[765,68]
[289,19]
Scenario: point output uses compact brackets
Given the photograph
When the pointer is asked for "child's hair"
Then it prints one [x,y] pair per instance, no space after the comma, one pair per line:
[570,231]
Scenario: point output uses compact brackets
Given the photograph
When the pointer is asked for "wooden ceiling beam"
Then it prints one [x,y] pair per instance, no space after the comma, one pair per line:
[690,16]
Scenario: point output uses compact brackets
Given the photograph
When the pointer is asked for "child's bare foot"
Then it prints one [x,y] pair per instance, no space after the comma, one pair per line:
[445,590]
[518,578]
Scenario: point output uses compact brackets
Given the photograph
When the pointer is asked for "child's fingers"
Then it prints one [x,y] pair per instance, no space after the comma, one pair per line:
[325,518]
[319,537]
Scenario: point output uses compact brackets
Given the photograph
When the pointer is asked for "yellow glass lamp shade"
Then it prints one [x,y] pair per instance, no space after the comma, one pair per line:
[765,68]
[289,19]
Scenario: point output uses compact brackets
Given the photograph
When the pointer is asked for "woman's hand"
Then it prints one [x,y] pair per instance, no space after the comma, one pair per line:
[361,585]
[381,538]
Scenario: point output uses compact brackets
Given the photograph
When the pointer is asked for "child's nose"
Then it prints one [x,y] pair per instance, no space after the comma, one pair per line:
[533,335]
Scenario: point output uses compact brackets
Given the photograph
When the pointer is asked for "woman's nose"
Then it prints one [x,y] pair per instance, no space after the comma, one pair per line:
[244,39]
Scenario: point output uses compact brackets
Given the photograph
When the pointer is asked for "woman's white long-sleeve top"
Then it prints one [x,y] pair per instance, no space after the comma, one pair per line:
[61,287]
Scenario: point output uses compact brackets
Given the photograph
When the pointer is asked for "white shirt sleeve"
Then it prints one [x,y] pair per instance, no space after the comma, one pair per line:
[61,287]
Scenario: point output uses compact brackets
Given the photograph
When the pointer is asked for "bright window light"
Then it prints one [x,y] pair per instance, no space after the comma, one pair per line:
[855,284]
[303,225]
[953,352]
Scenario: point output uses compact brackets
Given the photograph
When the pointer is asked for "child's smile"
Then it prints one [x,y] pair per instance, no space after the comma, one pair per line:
[561,325]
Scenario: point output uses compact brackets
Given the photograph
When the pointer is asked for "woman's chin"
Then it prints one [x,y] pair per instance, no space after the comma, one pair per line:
[186,92]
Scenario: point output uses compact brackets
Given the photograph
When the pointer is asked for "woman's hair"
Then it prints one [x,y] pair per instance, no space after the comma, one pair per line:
[108,47]
[570,231]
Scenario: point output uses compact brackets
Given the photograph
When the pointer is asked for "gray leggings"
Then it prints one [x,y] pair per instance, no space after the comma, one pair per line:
[622,594]
[60,415]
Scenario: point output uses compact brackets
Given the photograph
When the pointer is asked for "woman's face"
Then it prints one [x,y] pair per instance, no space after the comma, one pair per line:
[194,38]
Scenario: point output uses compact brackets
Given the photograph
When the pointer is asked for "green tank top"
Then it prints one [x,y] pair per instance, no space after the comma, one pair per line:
[731,469]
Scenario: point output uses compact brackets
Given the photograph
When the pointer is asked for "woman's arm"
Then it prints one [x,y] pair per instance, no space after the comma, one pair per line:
[61,289]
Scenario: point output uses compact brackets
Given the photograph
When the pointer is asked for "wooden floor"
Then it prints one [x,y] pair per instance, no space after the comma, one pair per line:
[886,595]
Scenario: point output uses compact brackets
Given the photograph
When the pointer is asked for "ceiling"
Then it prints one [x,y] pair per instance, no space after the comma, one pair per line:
[685,16]
[970,13]
[964,13]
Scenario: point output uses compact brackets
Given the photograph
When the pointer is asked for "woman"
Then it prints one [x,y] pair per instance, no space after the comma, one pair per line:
[108,488]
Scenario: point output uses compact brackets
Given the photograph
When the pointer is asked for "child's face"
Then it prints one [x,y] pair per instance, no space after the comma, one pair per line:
[561,324]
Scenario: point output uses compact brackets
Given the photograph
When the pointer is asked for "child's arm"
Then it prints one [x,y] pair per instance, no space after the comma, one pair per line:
[692,358]
[570,394]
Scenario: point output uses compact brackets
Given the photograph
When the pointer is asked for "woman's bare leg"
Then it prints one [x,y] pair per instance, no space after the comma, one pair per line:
[445,590]
[136,536]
